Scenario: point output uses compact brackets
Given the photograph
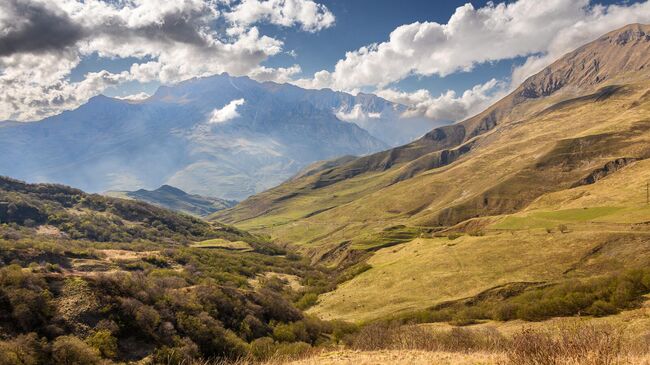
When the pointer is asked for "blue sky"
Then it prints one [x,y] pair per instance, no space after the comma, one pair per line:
[460,57]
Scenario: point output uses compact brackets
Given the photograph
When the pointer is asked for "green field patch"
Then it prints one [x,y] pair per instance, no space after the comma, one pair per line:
[550,219]
[224,244]
[388,237]
[579,214]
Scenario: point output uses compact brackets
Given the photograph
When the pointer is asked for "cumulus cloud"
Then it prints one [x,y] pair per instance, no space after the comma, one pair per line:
[449,105]
[226,113]
[356,114]
[34,27]
[279,75]
[541,29]
[311,16]
[135,97]
[42,41]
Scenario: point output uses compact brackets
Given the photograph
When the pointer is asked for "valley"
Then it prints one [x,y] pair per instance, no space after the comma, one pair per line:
[249,214]
[536,190]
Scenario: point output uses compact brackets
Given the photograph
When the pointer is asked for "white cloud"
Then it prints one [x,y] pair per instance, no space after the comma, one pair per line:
[177,39]
[449,105]
[311,16]
[279,75]
[135,97]
[473,36]
[356,114]
[226,113]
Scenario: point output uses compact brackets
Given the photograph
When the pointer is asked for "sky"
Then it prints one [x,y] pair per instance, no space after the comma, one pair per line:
[443,59]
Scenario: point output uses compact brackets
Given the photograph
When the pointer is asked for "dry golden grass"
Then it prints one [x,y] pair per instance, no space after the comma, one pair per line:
[416,357]
[401,357]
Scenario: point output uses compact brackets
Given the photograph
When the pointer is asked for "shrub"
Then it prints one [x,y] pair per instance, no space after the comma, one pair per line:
[22,350]
[69,350]
[263,348]
[104,342]
[147,319]
[284,333]
[183,353]
[342,329]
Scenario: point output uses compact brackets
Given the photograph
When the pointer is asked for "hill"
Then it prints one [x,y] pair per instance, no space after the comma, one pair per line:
[453,214]
[89,279]
[176,199]
[220,136]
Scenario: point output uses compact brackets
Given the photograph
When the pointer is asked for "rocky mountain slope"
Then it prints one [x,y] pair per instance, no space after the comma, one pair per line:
[583,119]
[176,199]
[217,136]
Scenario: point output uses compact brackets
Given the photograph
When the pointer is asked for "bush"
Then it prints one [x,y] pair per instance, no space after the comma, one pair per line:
[183,353]
[263,348]
[104,342]
[284,333]
[22,350]
[69,350]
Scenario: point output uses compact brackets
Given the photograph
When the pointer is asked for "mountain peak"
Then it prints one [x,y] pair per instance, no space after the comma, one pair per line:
[170,189]
[614,54]
[634,32]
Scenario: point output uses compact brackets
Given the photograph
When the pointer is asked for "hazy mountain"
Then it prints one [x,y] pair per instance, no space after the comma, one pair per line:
[217,136]
[176,199]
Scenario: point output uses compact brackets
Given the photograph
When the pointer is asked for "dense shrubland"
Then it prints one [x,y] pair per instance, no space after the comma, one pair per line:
[87,279]
[178,304]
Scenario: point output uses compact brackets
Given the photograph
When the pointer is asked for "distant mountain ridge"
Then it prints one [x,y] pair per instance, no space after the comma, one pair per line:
[176,199]
[169,138]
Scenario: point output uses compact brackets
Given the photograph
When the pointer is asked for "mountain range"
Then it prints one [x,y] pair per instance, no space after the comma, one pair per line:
[546,184]
[220,136]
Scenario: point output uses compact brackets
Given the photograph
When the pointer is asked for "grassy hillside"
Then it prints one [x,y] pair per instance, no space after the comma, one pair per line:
[545,186]
[580,232]
[489,180]
[537,140]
